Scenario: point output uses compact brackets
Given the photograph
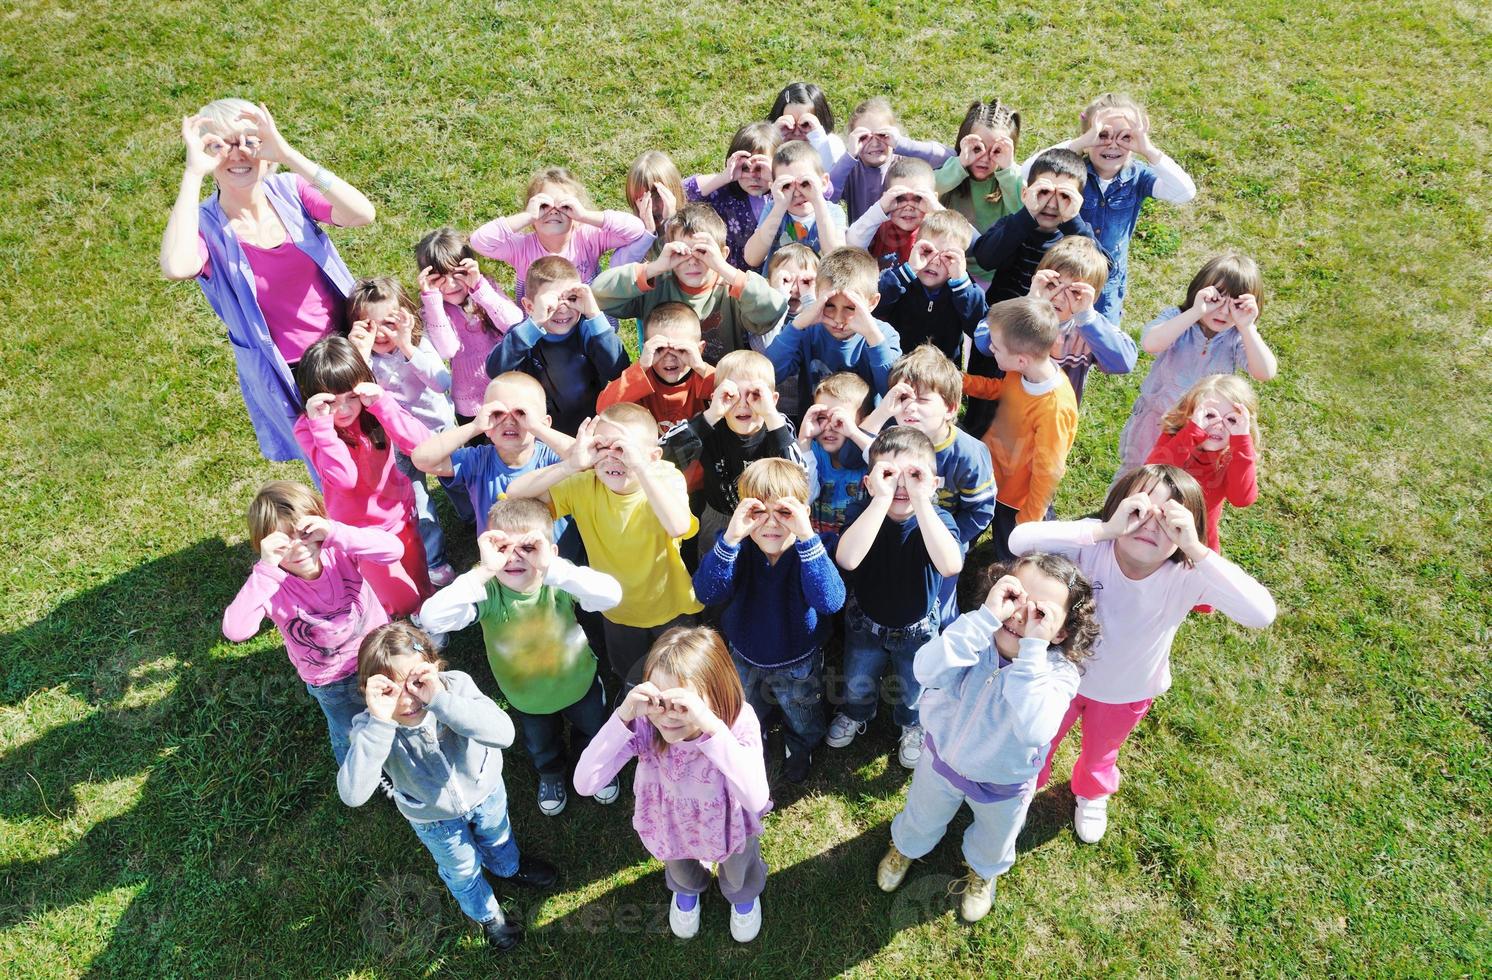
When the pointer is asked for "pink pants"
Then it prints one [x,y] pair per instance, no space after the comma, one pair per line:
[402,586]
[1105,727]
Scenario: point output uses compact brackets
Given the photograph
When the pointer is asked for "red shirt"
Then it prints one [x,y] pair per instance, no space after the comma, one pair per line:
[1225,474]
[669,404]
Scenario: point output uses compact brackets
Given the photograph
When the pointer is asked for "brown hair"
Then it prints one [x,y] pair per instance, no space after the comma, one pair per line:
[804,93]
[695,218]
[903,169]
[903,440]
[518,515]
[546,270]
[928,369]
[846,386]
[1183,486]
[1233,389]
[555,175]
[997,117]
[280,503]
[1111,100]
[757,138]
[1060,162]
[654,167]
[442,252]
[773,479]
[1082,609]
[848,267]
[696,655]
[1231,272]
[334,367]
[670,316]
[633,416]
[949,226]
[1078,257]
[795,253]
[382,289]
[878,105]
[397,639]
[795,151]
[1027,326]
[746,365]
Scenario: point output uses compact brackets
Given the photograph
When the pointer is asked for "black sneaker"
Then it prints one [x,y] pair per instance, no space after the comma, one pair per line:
[552,795]
[795,767]
[501,934]
[533,872]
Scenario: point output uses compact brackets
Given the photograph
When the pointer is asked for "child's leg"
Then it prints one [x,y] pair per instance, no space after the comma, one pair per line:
[686,876]
[543,740]
[340,701]
[757,687]
[989,842]
[743,875]
[1105,727]
[1074,711]
[711,523]
[1000,528]
[587,716]
[626,646]
[454,848]
[431,537]
[864,662]
[400,591]
[493,836]
[908,689]
[931,803]
[799,692]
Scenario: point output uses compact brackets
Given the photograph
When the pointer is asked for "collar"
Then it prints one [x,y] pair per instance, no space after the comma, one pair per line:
[1042,387]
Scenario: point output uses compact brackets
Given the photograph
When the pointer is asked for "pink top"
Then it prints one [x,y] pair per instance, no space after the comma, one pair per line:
[323,620]
[462,339]
[586,246]
[362,485]
[299,304]
[701,799]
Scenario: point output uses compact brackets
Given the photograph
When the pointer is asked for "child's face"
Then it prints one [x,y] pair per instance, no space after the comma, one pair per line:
[906,212]
[1110,156]
[611,468]
[833,439]
[1040,587]
[796,283]
[672,727]
[773,536]
[1148,545]
[902,505]
[1065,189]
[1006,359]
[881,143]
[798,110]
[1225,317]
[999,152]
[805,174]
[928,413]
[839,310]
[1217,411]
[554,221]
[508,436]
[558,303]
[745,416]
[383,317]
[452,288]
[303,559]
[346,408]
[693,271]
[670,364]
[936,273]
[756,175]
[409,710]
[528,560]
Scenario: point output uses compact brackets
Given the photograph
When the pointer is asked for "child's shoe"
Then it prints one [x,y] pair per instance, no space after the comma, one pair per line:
[842,731]
[685,921]
[533,872]
[892,870]
[501,934]
[910,751]
[795,766]
[745,925]
[1090,819]
[441,575]
[608,794]
[552,795]
[979,894]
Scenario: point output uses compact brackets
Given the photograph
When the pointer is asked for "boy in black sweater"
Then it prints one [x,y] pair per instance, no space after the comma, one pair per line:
[930,299]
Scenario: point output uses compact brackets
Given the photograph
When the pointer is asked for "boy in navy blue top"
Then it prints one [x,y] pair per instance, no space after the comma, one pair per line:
[833,446]
[897,548]
[564,342]
[929,299]
[779,588]
[836,331]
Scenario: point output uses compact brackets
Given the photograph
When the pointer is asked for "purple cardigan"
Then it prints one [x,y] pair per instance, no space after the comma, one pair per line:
[269,391]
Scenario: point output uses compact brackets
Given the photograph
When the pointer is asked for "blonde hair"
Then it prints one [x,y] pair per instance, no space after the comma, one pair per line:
[795,254]
[1077,257]
[281,503]
[1231,272]
[519,515]
[631,415]
[746,365]
[1231,389]
[928,369]
[951,227]
[530,384]
[221,115]
[1027,325]
[559,176]
[796,151]
[849,268]
[877,105]
[383,289]
[695,218]
[696,655]
[666,317]
[773,479]
[1111,100]
[654,167]
[549,269]
[904,169]
[846,386]
[397,639]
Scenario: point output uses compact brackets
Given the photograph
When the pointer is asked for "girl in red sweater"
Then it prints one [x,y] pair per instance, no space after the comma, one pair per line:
[1212,434]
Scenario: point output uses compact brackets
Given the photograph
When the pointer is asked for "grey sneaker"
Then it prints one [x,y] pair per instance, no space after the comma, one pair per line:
[552,795]
[842,731]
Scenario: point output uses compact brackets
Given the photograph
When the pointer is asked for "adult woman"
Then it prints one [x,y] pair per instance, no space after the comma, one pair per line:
[257,249]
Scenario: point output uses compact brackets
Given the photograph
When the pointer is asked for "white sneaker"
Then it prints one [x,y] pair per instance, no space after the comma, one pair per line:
[979,894]
[910,752]
[608,794]
[842,731]
[1090,819]
[743,928]
[686,924]
[441,575]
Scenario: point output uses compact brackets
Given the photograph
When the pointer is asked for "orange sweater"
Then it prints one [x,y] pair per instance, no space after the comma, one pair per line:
[1028,440]
[670,404]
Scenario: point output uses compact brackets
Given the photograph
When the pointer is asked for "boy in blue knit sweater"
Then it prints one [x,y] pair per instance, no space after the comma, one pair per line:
[779,587]
[930,298]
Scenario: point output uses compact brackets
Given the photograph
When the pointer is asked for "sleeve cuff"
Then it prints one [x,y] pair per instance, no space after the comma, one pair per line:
[640,278]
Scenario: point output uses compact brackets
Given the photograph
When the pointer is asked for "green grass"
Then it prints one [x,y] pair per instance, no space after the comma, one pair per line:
[1307,800]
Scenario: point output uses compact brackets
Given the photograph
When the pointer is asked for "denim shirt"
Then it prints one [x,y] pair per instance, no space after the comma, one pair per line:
[1113,214]
[269,391]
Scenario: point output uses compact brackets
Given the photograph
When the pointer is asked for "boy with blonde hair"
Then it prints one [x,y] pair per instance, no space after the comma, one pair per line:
[1071,276]
[833,446]
[800,211]
[930,298]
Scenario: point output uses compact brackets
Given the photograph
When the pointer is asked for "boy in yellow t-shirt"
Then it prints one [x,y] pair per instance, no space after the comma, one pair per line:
[632,510]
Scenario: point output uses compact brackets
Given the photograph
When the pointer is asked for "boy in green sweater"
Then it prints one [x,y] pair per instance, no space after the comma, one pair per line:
[524,595]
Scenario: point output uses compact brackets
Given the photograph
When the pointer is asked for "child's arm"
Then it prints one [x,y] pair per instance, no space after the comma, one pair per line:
[607,753]
[971,306]
[593,589]
[581,457]
[1235,593]
[668,497]
[434,454]
[515,347]
[1172,184]
[739,759]
[603,348]
[839,177]
[427,365]
[935,153]
[856,541]
[786,351]
[1001,241]
[404,430]
[365,543]
[882,344]
[503,238]
[715,579]
[370,741]
[617,228]
[621,291]
[455,606]
[1113,350]
[760,243]
[636,251]
[685,442]
[831,148]
[1039,685]
[1175,448]
[949,175]
[501,310]
[964,644]
[461,706]
[247,610]
[893,285]
[828,221]
[942,545]
[1241,484]
[1053,435]
[1063,537]
[978,386]
[1261,363]
[759,307]
[823,587]
[863,231]
[438,326]
[317,435]
[1157,336]
[634,384]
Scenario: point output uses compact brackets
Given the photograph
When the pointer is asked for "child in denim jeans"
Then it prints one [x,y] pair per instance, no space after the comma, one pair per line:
[897,548]
[439,740]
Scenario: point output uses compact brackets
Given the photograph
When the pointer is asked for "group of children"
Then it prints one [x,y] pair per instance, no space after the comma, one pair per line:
[858,355]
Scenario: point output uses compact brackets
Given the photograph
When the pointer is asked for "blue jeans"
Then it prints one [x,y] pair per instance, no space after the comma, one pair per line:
[341,701]
[544,735]
[431,535]
[463,845]
[868,648]
[797,690]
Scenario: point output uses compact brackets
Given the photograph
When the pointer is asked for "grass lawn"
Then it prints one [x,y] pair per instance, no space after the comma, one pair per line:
[1307,800]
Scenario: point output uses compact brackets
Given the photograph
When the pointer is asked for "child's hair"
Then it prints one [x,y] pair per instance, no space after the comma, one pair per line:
[520,515]
[221,115]
[382,289]
[951,227]
[798,255]
[397,639]
[1232,389]
[1075,256]
[995,116]
[878,105]
[556,175]
[669,316]
[795,151]
[1231,272]
[757,138]
[442,252]
[697,656]
[928,369]
[695,218]
[654,167]
[846,386]
[1027,325]
[280,503]
[630,415]
[804,93]
[547,270]
[773,479]
[850,268]
[746,365]
[1060,162]
[1082,609]
[1111,100]
[1183,486]
[903,169]
[333,366]
[903,440]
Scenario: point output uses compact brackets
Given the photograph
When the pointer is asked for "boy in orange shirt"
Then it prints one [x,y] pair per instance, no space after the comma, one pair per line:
[1037,421]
